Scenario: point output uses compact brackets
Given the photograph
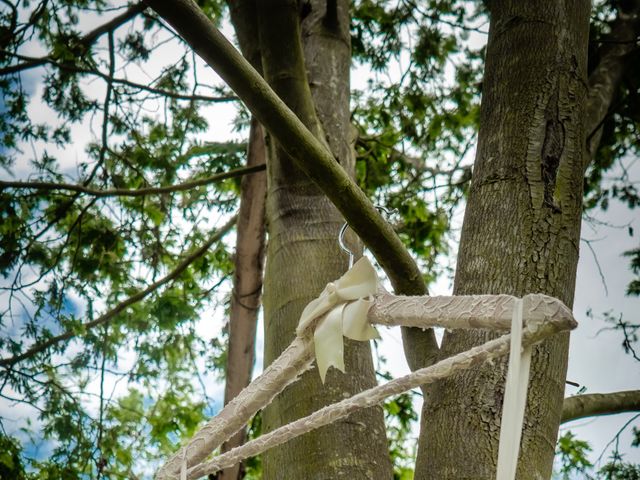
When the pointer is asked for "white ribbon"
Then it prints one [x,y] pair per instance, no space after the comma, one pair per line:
[515,399]
[346,303]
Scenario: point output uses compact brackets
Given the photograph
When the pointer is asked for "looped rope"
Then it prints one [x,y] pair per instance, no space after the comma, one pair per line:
[183,467]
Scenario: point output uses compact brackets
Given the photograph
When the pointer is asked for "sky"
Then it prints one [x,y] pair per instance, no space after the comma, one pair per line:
[596,358]
[597,361]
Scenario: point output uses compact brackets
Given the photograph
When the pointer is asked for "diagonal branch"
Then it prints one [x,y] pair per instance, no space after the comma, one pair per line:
[606,77]
[123,192]
[86,40]
[594,404]
[106,317]
[308,152]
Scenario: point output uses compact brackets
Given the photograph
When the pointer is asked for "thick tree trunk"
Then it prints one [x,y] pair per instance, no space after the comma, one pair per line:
[247,284]
[303,254]
[520,234]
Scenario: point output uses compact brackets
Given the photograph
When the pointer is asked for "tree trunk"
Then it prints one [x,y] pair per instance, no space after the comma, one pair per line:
[247,284]
[303,254]
[249,261]
[521,232]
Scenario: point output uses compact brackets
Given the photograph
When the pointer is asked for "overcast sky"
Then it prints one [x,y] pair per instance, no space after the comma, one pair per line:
[597,360]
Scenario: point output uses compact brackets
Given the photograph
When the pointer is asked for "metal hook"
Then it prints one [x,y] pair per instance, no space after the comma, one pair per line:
[343,246]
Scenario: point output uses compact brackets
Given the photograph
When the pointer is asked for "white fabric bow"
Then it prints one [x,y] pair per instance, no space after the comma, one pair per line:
[347,301]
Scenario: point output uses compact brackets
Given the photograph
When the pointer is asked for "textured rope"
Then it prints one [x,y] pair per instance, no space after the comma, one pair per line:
[183,466]
[374,396]
[491,312]
[544,316]
[285,370]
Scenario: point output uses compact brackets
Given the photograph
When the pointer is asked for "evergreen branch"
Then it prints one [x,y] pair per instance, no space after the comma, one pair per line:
[595,404]
[309,153]
[123,192]
[86,41]
[40,347]
[604,80]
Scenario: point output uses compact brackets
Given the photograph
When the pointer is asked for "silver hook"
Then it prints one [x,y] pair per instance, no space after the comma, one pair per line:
[343,246]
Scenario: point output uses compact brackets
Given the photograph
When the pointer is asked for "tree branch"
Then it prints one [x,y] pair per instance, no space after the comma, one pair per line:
[247,284]
[86,40]
[306,150]
[606,77]
[123,81]
[123,192]
[106,317]
[594,404]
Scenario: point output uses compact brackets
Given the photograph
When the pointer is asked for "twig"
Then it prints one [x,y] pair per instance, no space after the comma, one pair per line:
[595,258]
[310,154]
[123,192]
[106,317]
[87,40]
[123,81]
[617,435]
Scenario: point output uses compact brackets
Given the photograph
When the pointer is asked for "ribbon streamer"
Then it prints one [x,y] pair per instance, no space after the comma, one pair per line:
[515,399]
[345,303]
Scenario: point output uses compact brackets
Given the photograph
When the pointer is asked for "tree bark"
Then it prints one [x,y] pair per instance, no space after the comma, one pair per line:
[303,253]
[247,284]
[604,80]
[520,234]
[309,153]
[250,242]
[594,404]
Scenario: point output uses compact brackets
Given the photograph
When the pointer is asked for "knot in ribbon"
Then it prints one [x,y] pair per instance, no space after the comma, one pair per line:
[345,303]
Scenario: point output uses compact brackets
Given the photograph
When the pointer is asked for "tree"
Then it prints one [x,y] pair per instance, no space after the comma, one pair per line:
[545,126]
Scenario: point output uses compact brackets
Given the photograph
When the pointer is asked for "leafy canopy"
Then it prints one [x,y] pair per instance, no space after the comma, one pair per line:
[111,314]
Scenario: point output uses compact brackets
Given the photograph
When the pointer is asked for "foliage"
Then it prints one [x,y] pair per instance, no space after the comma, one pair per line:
[620,126]
[572,455]
[574,463]
[628,330]
[400,417]
[128,107]
[11,463]
[633,289]
[620,471]
[415,129]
